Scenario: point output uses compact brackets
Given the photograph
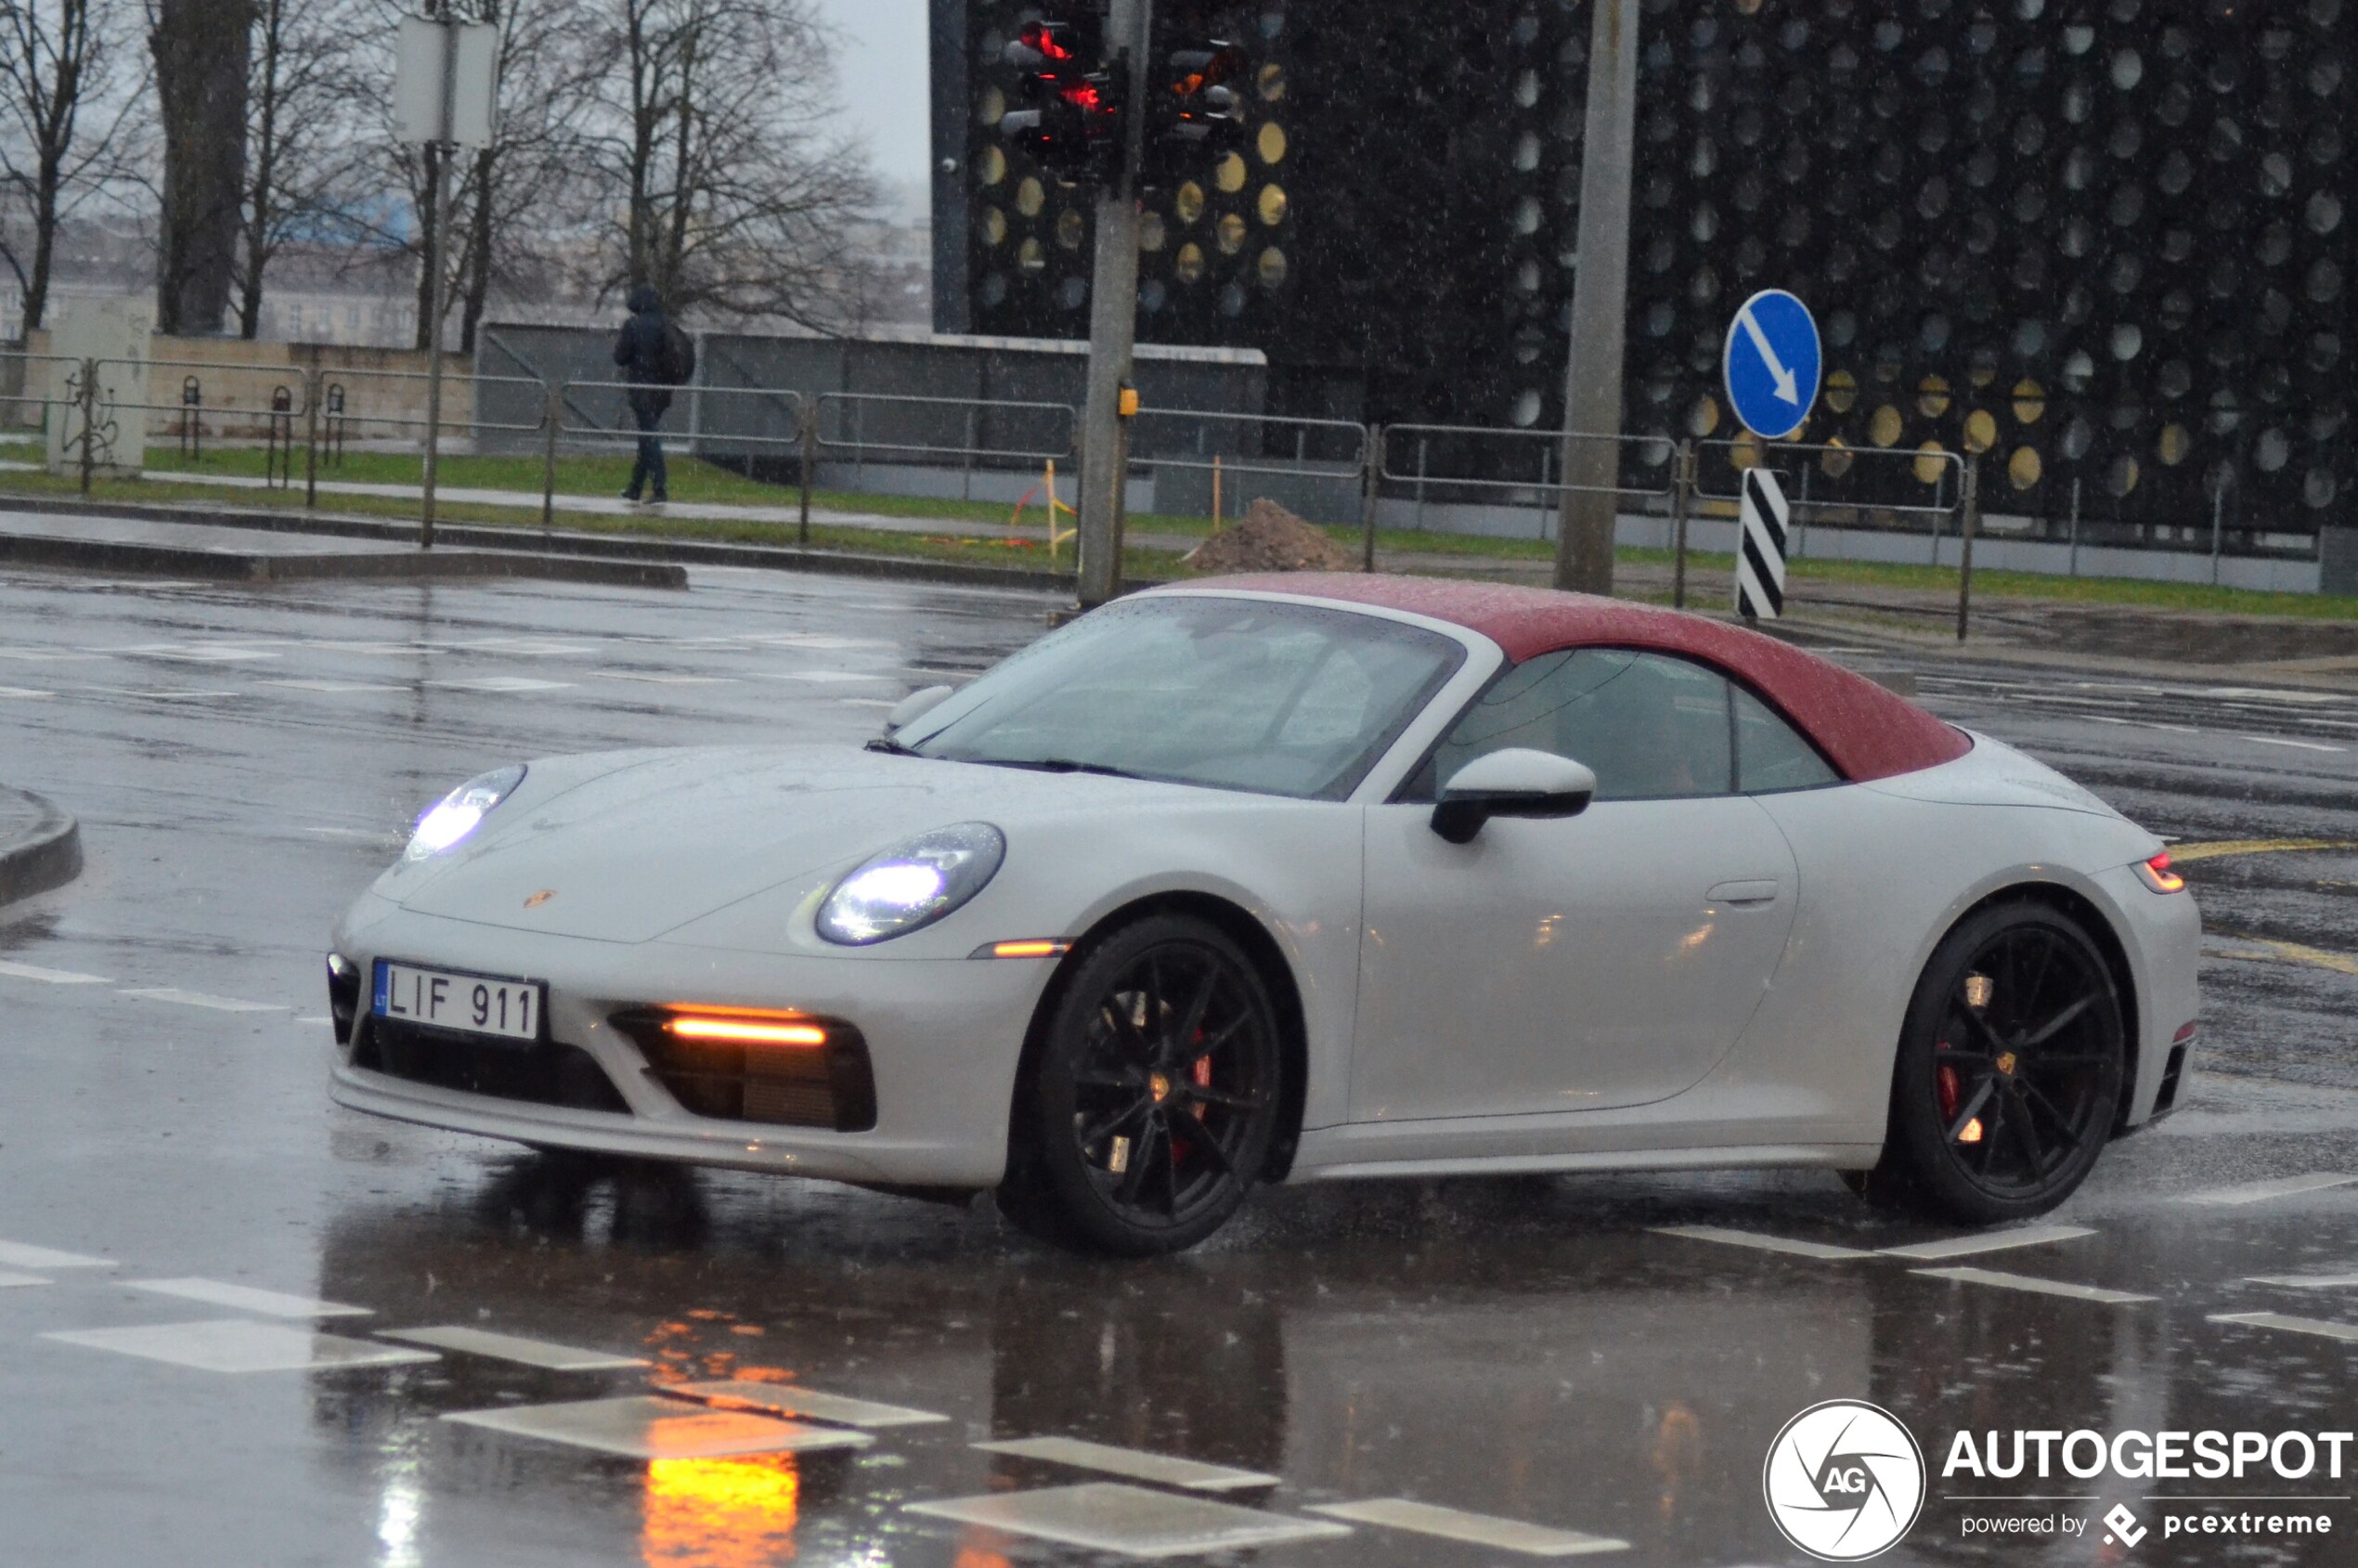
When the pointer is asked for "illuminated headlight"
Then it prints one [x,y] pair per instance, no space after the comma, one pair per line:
[461,811]
[913,883]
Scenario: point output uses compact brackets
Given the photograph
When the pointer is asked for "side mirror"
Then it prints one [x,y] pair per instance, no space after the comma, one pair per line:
[916,705]
[1514,783]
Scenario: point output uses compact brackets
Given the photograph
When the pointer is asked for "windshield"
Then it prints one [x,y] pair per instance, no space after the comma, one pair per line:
[1235,693]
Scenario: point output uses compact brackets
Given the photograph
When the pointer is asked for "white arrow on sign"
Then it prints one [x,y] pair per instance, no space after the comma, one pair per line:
[1788,388]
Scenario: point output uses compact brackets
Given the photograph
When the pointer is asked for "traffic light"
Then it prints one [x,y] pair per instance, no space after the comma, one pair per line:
[1198,112]
[1073,125]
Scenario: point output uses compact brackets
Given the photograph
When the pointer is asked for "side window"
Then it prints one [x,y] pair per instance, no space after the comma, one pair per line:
[1770,755]
[1653,728]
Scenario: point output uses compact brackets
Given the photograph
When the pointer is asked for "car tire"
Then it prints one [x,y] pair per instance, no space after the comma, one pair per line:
[1150,1099]
[2009,1074]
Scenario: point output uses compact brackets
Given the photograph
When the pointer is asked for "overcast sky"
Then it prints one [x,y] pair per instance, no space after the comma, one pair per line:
[883,68]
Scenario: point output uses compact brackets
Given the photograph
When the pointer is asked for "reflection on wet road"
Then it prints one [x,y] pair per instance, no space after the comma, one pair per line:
[239,1324]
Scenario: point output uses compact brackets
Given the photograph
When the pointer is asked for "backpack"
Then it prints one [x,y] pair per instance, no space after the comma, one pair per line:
[676,356]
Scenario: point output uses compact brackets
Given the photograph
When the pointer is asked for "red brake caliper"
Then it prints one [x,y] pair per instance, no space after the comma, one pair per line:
[1949,1086]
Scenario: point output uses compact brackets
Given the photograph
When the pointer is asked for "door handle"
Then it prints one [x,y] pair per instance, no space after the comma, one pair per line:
[1741,894]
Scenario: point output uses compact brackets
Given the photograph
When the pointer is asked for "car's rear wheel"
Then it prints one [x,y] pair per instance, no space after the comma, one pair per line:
[2010,1070]
[1149,1107]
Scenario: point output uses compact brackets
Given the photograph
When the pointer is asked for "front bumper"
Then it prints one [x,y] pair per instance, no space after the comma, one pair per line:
[944,1041]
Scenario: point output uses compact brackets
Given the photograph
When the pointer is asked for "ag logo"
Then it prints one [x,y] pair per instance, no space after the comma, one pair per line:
[1845,1481]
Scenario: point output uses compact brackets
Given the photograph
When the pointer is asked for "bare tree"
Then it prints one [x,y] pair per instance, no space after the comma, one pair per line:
[202,52]
[717,145]
[64,109]
[301,138]
[511,197]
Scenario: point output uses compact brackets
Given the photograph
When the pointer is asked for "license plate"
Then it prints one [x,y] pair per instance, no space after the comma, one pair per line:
[469,1003]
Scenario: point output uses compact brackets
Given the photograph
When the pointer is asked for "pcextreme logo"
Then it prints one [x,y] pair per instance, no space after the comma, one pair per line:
[1845,1481]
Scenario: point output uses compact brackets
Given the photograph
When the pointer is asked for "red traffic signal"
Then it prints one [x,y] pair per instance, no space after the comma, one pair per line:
[1073,122]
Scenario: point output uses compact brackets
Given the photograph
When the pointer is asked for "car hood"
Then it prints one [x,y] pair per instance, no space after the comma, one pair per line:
[627,847]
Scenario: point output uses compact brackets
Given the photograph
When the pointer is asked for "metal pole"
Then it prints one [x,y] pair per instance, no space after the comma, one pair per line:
[1970,504]
[2074,525]
[1370,495]
[2217,518]
[1113,324]
[1683,501]
[1600,305]
[446,151]
[552,414]
[311,438]
[808,412]
[89,419]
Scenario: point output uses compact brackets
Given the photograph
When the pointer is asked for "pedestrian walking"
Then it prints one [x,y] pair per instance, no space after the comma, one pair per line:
[655,357]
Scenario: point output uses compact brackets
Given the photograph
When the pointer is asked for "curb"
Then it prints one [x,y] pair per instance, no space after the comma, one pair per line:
[115,555]
[532,544]
[46,855]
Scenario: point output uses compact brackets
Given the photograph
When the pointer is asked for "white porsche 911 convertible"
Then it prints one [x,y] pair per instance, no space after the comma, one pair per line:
[1266,879]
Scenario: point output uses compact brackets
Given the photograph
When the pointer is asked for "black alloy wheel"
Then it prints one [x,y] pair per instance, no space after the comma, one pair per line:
[2010,1068]
[1150,1107]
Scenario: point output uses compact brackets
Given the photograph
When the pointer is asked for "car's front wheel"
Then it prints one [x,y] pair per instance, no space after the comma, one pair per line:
[1149,1105]
[2010,1069]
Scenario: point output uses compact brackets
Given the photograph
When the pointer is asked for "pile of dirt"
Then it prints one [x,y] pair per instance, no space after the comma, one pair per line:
[1270,539]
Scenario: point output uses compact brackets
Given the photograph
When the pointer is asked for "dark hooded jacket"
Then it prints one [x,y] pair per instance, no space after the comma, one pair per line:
[638,349]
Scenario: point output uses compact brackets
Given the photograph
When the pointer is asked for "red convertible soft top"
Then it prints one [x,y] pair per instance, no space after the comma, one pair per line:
[1865,731]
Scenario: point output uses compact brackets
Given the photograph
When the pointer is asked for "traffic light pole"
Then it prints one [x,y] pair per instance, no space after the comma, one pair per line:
[1600,305]
[1114,326]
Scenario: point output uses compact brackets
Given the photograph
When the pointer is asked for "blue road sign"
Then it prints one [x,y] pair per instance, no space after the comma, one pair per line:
[1771,364]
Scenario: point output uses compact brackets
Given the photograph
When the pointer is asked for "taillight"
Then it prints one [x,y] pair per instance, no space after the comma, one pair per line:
[2156,873]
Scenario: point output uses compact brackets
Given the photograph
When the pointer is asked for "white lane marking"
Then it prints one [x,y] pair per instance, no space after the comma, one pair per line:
[334,687]
[2038,1287]
[819,677]
[2304,1281]
[16,1254]
[2347,1332]
[1134,1521]
[2260,1192]
[48,977]
[246,1298]
[1994,1241]
[2100,719]
[502,683]
[315,1018]
[670,680]
[43,656]
[160,694]
[529,647]
[513,1347]
[641,1427]
[24,692]
[238,1344]
[1137,1463]
[2303,746]
[9,1281]
[814,640]
[198,999]
[788,1399]
[1476,1529]
[865,702]
[1762,1243]
[368,834]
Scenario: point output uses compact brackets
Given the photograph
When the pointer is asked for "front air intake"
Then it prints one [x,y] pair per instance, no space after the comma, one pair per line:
[740,1066]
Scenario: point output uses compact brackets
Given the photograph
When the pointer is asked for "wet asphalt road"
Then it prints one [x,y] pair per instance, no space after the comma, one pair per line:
[1529,1350]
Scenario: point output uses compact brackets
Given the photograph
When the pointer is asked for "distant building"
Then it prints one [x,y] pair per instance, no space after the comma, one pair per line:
[2101,244]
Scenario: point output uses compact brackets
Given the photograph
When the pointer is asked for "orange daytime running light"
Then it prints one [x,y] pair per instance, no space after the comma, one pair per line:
[1035,948]
[742,1029]
[2156,873]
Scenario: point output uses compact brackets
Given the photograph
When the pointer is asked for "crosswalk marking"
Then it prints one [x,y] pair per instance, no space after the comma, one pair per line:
[1135,1463]
[2305,1281]
[15,971]
[513,1347]
[642,1427]
[239,1344]
[1763,1243]
[1989,1241]
[1107,1516]
[246,1298]
[792,1399]
[198,999]
[2260,1192]
[2316,1327]
[2037,1286]
[16,1254]
[1475,1529]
